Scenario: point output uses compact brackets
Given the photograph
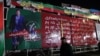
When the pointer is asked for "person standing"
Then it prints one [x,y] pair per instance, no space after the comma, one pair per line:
[16,24]
[65,49]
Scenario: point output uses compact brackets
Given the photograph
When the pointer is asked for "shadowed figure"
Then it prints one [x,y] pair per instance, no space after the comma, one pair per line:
[65,49]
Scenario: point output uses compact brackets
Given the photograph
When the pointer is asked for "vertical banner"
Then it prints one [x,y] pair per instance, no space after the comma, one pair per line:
[22,29]
[51,29]
[91,37]
[1,30]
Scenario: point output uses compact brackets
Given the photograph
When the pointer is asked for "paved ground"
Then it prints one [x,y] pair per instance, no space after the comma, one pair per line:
[32,54]
[89,54]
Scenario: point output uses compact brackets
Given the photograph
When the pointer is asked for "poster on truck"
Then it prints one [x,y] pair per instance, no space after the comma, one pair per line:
[53,28]
[22,29]
[83,32]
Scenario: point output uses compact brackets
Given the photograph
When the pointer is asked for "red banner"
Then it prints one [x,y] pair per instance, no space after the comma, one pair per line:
[74,30]
[24,33]
[1,16]
[51,29]
[15,3]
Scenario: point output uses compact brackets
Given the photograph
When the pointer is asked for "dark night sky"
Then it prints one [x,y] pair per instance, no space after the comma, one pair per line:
[95,4]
